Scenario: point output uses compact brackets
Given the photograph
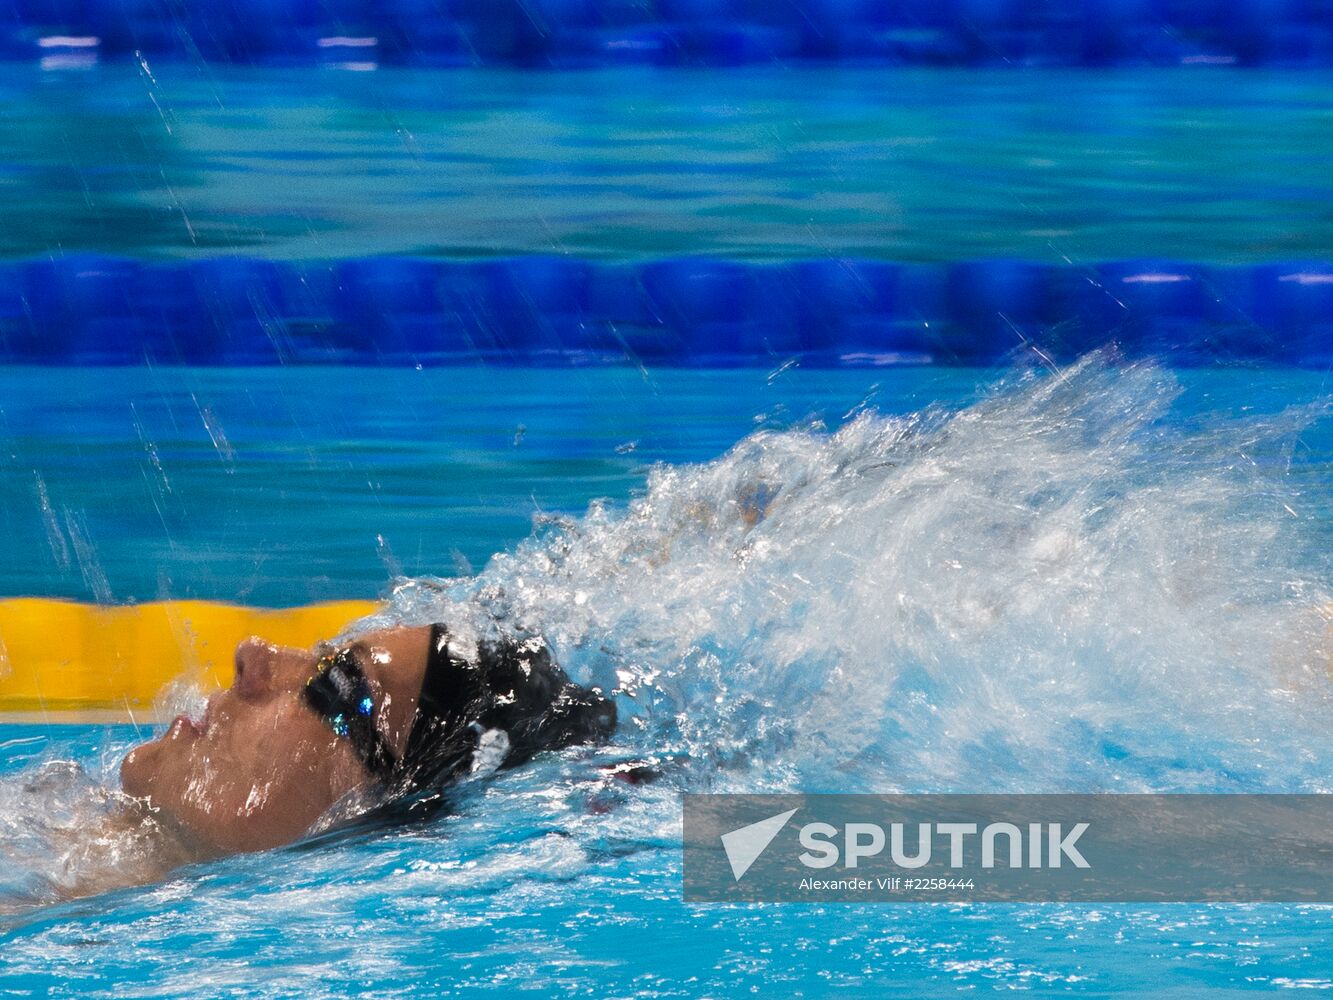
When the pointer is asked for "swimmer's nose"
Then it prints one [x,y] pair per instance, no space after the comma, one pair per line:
[254,667]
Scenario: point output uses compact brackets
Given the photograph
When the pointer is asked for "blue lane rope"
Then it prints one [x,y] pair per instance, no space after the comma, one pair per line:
[87,309]
[579,33]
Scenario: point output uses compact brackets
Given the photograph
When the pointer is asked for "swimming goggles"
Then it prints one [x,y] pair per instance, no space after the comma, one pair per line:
[341,696]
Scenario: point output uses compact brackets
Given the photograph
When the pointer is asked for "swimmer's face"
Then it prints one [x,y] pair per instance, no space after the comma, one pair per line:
[261,765]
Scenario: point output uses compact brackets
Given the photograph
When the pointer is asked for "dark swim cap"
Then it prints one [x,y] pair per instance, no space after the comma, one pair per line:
[490,705]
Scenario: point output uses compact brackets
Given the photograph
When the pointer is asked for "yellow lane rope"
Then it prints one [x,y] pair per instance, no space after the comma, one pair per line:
[59,655]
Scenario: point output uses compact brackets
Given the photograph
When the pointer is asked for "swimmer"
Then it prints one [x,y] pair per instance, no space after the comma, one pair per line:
[392,719]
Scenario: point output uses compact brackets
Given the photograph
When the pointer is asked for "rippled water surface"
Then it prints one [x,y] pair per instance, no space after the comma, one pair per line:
[279,487]
[1109,578]
[171,160]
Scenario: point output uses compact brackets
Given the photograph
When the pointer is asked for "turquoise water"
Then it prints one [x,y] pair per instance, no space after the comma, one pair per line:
[1201,163]
[1102,579]
[1106,578]
[279,487]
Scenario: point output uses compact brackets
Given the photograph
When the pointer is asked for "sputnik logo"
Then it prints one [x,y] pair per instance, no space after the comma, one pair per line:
[744,845]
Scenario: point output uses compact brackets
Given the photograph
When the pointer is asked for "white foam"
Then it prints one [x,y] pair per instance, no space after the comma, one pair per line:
[1054,589]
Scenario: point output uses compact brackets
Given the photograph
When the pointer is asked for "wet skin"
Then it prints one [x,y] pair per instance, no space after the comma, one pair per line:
[261,766]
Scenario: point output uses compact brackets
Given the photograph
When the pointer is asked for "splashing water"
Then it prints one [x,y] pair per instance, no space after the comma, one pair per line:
[1055,589]
[65,833]
[1063,587]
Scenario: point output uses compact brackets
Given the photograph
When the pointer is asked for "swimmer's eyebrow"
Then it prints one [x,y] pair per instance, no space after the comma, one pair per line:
[359,648]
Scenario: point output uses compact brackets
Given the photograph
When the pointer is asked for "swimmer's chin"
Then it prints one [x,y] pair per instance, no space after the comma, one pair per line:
[140,765]
[138,769]
[132,777]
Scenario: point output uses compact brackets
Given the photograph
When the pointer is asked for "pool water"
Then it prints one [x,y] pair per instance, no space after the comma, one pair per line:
[1113,576]
[1109,577]
[277,487]
[173,160]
